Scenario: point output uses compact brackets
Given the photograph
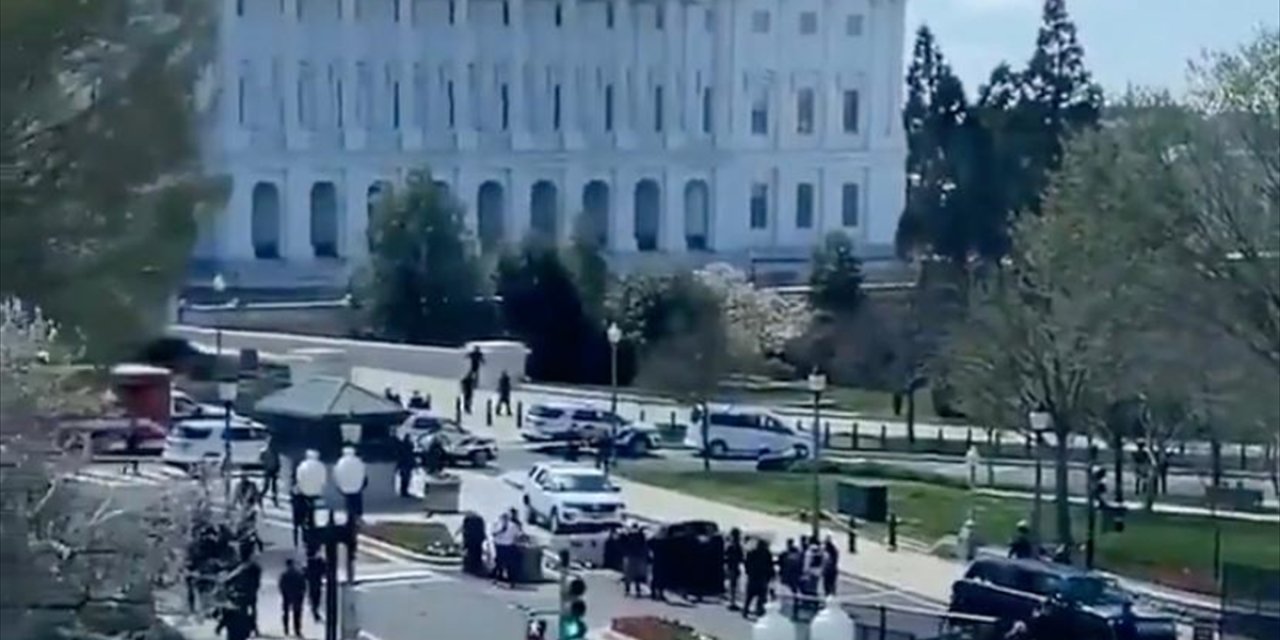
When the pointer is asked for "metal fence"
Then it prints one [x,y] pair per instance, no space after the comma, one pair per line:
[878,621]
[1250,601]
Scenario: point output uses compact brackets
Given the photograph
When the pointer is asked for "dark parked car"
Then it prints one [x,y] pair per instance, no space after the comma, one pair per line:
[1091,605]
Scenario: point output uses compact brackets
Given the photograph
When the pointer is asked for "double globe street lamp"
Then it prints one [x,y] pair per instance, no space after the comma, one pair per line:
[614,334]
[831,623]
[817,385]
[311,477]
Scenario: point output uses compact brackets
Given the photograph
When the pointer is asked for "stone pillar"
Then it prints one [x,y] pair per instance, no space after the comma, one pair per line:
[722,82]
[353,131]
[622,212]
[671,225]
[355,243]
[236,223]
[295,212]
[573,89]
[296,136]
[516,224]
[518,91]
[622,23]
[673,32]
[236,134]
[464,132]
[410,133]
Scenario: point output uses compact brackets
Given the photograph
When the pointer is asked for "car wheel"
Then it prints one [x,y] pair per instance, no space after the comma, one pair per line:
[553,521]
[802,452]
[479,458]
[638,447]
[718,449]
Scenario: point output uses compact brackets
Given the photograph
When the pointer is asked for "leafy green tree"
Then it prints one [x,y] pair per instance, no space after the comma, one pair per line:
[543,306]
[100,179]
[684,349]
[835,284]
[585,259]
[423,282]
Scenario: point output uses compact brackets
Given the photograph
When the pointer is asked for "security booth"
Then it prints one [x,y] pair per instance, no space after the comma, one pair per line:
[325,413]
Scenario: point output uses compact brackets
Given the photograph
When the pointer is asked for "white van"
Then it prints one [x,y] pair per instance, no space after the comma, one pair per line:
[192,442]
[744,432]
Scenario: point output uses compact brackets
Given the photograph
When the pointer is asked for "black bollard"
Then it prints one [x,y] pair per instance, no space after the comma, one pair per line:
[853,437]
[457,410]
[853,534]
[968,439]
[672,421]
[939,438]
[884,437]
[997,444]
[428,401]
[1244,463]
[826,435]
[520,414]
[1026,446]
[893,532]
[488,412]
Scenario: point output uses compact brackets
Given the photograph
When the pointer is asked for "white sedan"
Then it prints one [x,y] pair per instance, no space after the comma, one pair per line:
[569,497]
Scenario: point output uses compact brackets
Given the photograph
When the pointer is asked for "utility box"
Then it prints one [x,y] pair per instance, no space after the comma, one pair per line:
[867,501]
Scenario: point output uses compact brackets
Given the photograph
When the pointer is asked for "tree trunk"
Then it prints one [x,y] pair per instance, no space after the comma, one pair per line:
[1062,495]
[1117,449]
[911,416]
[1215,460]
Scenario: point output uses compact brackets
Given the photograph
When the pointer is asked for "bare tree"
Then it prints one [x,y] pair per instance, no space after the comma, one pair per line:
[72,564]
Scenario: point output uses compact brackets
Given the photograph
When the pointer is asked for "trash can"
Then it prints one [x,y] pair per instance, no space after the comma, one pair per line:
[528,564]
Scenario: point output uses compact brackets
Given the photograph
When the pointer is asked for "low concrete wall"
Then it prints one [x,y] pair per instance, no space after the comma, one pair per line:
[320,320]
[440,362]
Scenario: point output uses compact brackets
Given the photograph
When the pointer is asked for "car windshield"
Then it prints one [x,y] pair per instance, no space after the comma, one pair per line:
[1093,591]
[582,482]
[545,412]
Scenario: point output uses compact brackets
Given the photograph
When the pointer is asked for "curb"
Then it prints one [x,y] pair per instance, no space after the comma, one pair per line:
[387,548]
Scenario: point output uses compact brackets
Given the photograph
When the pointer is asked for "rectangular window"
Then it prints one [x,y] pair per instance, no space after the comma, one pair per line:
[804,112]
[555,108]
[853,24]
[395,105]
[396,9]
[706,110]
[608,14]
[659,18]
[608,108]
[506,13]
[239,7]
[759,205]
[453,11]
[760,114]
[760,22]
[342,103]
[808,23]
[850,111]
[849,205]
[657,109]
[506,106]
[710,19]
[449,91]
[804,206]
[559,16]
[242,96]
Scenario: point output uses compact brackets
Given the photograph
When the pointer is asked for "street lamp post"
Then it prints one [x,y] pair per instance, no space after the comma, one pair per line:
[219,287]
[971,461]
[614,334]
[1040,422]
[311,478]
[817,384]
[227,390]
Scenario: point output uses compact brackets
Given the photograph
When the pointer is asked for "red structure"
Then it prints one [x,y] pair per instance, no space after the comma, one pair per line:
[143,391]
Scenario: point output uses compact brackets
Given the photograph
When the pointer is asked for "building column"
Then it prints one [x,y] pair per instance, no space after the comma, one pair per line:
[464,132]
[571,210]
[573,89]
[295,240]
[235,228]
[623,56]
[722,82]
[353,132]
[519,89]
[410,133]
[622,212]
[355,218]
[295,134]
[673,32]
[671,224]
[516,224]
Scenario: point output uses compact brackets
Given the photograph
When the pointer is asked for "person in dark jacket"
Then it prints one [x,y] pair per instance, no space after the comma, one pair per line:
[758,565]
[132,444]
[299,505]
[468,391]
[293,588]
[316,570]
[1021,546]
[790,567]
[416,401]
[830,567]
[504,394]
[404,464]
[733,557]
[250,582]
[270,460]
[660,571]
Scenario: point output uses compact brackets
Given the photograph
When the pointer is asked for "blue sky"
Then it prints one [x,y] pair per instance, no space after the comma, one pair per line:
[1142,42]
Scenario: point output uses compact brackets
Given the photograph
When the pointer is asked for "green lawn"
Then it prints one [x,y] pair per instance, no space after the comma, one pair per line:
[1169,549]
[430,538]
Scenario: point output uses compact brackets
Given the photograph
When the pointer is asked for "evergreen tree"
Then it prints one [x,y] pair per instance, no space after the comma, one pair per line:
[935,219]
[835,284]
[1058,98]
[423,280]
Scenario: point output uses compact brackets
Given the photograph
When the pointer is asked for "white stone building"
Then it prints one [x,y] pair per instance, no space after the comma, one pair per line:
[678,127]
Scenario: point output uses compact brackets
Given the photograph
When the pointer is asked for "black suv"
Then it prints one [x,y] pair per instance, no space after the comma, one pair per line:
[1089,605]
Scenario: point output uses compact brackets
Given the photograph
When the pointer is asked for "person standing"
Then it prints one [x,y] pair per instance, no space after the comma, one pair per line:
[468,391]
[790,567]
[635,561]
[1021,546]
[293,587]
[132,444]
[299,506]
[504,394]
[475,358]
[416,401]
[316,570]
[604,450]
[758,565]
[503,539]
[830,567]
[251,583]
[404,464]
[270,460]
[733,558]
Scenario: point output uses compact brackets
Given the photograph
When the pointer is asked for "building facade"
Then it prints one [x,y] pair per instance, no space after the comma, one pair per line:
[669,126]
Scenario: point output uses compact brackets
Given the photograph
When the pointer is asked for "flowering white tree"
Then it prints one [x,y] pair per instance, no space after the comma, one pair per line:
[73,564]
[759,322]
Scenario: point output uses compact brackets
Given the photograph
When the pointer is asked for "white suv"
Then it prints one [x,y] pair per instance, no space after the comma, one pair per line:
[560,421]
[191,442]
[571,497]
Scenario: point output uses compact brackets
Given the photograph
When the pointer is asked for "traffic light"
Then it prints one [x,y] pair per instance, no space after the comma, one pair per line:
[573,610]
[1097,483]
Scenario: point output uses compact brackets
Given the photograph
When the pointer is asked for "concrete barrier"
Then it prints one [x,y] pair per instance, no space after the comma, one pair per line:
[440,362]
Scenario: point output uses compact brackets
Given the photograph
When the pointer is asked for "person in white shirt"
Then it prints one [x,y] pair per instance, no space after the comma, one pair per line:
[505,532]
